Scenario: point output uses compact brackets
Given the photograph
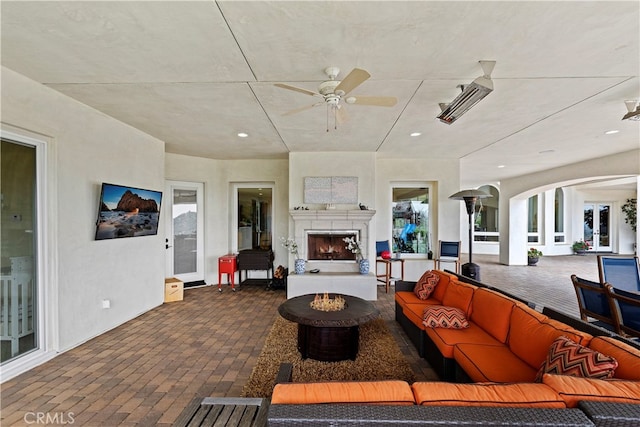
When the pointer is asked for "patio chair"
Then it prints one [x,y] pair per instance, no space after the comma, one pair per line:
[622,272]
[448,252]
[625,307]
[593,303]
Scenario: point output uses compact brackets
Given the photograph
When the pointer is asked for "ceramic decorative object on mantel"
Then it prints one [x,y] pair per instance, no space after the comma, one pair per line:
[533,256]
[580,247]
[364,266]
[299,265]
[291,246]
[354,246]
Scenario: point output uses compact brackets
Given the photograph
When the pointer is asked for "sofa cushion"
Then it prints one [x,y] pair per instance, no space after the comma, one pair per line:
[566,357]
[492,312]
[414,312]
[492,363]
[486,394]
[392,392]
[426,284]
[459,295]
[627,356]
[531,334]
[446,339]
[443,284]
[440,316]
[406,297]
[575,389]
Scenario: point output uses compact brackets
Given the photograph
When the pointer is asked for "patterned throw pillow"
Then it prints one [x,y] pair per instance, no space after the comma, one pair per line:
[426,284]
[566,357]
[440,316]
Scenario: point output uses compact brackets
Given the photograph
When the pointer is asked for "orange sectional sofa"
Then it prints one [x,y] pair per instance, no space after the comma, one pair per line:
[557,401]
[502,362]
[506,341]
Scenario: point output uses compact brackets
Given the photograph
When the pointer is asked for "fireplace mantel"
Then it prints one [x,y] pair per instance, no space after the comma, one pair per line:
[332,214]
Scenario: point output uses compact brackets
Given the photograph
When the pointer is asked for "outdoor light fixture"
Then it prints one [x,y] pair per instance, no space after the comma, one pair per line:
[470,198]
[470,96]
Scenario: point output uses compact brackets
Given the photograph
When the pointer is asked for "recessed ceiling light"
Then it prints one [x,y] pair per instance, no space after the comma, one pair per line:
[500,166]
[243,134]
[611,132]
[416,133]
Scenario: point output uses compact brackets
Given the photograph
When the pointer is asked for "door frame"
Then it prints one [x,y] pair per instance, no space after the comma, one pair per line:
[595,246]
[199,274]
[45,256]
[233,195]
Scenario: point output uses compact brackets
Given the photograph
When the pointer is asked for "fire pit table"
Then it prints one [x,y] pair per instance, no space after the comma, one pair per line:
[328,335]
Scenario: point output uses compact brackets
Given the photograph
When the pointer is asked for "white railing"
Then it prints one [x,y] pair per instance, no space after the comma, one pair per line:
[16,305]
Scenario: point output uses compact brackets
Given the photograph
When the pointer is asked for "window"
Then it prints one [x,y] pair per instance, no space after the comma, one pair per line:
[410,220]
[486,218]
[559,216]
[533,236]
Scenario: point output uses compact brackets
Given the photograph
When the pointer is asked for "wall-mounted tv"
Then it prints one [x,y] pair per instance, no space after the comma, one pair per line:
[127,212]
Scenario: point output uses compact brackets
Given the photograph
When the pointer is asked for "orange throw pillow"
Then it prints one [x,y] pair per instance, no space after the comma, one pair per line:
[566,357]
[426,284]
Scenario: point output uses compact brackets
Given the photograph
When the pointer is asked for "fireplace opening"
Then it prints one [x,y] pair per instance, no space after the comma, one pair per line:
[330,245]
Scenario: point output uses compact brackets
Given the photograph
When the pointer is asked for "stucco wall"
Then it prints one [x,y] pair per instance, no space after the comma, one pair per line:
[86,148]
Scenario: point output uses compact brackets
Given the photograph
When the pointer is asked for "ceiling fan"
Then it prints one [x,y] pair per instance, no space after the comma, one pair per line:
[334,91]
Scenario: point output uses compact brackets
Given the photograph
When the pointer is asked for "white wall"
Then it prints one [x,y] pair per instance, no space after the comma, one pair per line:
[218,177]
[87,148]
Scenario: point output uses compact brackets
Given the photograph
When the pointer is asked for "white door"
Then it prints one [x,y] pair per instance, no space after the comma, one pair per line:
[185,232]
[597,226]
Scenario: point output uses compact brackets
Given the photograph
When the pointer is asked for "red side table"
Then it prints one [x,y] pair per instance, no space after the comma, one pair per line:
[228,265]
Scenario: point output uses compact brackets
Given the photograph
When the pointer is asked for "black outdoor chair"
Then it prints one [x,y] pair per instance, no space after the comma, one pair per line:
[625,307]
[593,303]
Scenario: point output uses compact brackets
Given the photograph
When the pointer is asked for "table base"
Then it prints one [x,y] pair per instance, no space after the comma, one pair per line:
[328,344]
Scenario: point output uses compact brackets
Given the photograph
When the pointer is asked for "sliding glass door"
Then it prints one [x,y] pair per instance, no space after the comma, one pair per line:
[18,233]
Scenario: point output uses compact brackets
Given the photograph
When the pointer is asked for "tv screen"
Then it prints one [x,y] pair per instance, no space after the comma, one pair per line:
[127,212]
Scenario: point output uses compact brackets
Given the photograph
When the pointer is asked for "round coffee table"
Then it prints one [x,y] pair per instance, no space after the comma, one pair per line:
[328,335]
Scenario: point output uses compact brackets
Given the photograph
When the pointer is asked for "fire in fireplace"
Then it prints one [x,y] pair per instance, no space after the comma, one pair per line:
[329,245]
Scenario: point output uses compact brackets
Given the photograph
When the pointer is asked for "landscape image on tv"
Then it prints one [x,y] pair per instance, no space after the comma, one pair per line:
[127,212]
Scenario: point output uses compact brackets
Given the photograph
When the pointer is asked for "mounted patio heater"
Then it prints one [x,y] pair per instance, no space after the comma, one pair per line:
[470,96]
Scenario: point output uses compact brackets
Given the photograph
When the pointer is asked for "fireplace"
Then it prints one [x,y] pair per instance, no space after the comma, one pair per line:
[329,245]
[319,234]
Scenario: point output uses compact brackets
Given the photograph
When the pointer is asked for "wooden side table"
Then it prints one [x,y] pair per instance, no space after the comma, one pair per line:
[228,265]
[386,277]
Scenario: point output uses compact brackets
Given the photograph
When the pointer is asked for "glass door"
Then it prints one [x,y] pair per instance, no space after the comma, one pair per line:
[597,226]
[18,288]
[185,232]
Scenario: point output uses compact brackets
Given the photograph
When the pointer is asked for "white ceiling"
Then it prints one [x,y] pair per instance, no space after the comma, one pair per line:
[195,73]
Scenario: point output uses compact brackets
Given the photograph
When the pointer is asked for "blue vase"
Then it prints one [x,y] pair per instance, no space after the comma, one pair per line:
[364,266]
[299,266]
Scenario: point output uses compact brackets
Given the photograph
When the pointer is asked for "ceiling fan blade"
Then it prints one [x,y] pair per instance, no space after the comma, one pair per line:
[301,109]
[380,101]
[297,89]
[354,79]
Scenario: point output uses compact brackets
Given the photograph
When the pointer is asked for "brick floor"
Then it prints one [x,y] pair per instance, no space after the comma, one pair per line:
[144,372]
